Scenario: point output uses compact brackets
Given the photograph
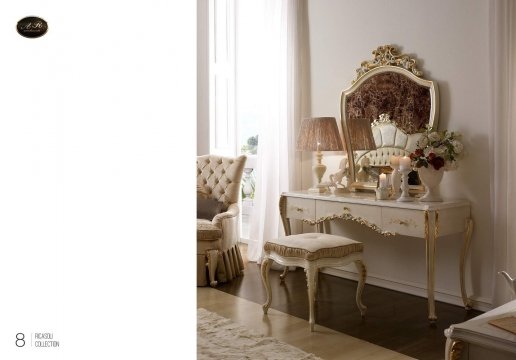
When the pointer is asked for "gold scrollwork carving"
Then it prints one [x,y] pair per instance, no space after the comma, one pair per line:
[388,55]
[348,216]
[456,350]
[384,119]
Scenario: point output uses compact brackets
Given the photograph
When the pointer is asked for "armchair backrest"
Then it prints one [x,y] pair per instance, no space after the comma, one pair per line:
[221,176]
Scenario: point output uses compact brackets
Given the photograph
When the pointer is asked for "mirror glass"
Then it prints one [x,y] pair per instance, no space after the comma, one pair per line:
[390,94]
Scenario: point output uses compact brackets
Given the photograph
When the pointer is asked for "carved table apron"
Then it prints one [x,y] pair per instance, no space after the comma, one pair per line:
[388,217]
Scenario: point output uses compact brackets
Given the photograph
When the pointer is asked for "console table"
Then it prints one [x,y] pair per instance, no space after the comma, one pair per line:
[389,218]
[476,339]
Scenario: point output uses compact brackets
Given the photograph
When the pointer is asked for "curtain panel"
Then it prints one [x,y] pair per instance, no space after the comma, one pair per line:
[285,72]
[501,143]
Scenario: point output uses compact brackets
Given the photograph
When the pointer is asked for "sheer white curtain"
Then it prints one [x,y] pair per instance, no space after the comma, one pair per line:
[503,142]
[284,49]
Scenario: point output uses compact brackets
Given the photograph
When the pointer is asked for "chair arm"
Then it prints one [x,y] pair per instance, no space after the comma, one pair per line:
[232,212]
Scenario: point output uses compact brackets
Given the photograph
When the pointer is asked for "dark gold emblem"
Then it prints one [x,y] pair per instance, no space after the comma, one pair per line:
[32,27]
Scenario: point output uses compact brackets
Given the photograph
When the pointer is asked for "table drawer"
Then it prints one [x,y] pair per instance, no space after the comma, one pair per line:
[298,208]
[371,214]
[404,222]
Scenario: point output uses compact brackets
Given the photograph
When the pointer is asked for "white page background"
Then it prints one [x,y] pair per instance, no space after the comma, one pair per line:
[97,142]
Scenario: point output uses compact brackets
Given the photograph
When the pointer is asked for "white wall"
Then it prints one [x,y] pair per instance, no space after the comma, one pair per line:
[450,41]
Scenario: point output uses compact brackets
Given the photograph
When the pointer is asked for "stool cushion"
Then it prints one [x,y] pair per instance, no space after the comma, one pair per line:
[313,246]
[207,231]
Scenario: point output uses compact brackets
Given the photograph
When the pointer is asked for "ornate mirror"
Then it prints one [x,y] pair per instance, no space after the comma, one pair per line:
[389,95]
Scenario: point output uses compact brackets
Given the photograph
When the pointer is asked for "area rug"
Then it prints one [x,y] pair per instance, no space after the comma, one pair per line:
[220,338]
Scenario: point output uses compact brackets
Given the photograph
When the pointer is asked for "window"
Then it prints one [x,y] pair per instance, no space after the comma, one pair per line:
[222,77]
[235,107]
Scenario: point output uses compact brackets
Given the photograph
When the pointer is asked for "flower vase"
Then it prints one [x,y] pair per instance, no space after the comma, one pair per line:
[431,178]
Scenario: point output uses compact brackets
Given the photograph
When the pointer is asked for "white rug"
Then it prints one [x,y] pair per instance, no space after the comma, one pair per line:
[220,338]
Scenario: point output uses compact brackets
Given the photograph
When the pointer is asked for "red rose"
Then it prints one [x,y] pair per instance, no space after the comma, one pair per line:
[436,162]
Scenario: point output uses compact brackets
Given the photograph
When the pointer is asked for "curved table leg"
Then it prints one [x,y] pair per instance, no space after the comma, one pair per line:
[463,254]
[266,264]
[431,234]
[362,274]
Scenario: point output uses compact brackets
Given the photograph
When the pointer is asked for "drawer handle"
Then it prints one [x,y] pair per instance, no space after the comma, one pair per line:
[346,209]
[298,209]
[401,222]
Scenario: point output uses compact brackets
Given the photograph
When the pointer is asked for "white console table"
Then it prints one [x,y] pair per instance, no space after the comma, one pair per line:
[388,217]
[476,339]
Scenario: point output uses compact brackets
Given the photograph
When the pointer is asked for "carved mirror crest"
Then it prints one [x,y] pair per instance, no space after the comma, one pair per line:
[391,94]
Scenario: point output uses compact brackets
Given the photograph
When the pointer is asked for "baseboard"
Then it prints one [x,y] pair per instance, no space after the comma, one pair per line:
[478,303]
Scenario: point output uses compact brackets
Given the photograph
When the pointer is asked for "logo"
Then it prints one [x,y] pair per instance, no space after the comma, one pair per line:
[32,27]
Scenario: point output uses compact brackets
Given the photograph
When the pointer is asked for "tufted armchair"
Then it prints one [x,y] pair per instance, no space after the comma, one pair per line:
[218,178]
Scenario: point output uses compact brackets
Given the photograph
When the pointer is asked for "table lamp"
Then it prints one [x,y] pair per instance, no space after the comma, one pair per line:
[319,134]
[361,134]
[361,138]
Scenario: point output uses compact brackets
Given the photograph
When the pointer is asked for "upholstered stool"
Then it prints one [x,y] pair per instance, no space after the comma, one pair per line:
[313,251]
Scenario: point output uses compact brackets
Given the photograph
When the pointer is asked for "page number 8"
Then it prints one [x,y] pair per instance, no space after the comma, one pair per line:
[20,340]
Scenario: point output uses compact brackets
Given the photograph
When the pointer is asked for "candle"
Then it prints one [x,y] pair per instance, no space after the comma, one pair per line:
[383,181]
[404,163]
[395,161]
[318,144]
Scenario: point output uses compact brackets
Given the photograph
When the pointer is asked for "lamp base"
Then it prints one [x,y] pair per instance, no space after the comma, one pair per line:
[320,189]
[342,190]
[405,199]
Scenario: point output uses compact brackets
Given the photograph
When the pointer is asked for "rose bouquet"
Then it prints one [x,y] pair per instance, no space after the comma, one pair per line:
[438,149]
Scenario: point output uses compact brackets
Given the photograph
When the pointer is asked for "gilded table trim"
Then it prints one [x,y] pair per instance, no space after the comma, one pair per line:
[348,216]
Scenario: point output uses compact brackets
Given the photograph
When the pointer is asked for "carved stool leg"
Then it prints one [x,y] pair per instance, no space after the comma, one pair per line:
[362,273]
[213,258]
[316,283]
[284,274]
[266,264]
[311,273]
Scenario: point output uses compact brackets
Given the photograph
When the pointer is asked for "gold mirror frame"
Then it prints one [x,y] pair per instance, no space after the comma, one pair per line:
[386,60]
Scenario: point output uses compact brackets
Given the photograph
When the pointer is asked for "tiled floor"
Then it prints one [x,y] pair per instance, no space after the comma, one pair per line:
[325,343]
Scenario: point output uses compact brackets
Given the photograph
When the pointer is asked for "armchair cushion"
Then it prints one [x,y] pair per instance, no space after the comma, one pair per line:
[206,231]
[208,208]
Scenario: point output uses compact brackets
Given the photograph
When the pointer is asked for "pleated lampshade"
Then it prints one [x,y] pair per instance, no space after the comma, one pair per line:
[361,135]
[319,133]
